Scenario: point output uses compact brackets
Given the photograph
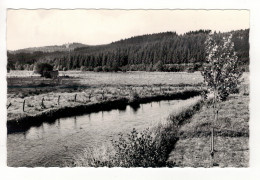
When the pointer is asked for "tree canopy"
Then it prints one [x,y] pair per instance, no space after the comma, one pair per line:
[221,72]
[176,52]
[43,69]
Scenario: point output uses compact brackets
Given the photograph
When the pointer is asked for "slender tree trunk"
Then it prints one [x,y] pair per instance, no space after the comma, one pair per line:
[212,126]
[212,142]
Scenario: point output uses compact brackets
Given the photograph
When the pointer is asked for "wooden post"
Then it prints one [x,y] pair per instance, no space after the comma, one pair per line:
[212,135]
[212,129]
[103,95]
[42,102]
[58,100]
[75,99]
[212,142]
[9,105]
[23,104]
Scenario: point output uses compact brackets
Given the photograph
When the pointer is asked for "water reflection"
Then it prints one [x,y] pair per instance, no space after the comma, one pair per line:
[135,107]
[88,130]
[75,122]
[114,119]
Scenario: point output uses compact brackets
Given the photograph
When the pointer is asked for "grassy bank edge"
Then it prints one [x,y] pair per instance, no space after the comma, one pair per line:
[231,137]
[149,148]
[24,122]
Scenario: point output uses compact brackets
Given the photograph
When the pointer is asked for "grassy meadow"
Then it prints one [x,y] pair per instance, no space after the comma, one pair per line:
[75,88]
[231,135]
[182,141]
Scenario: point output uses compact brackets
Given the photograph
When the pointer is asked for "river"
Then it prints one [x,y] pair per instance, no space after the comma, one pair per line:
[54,144]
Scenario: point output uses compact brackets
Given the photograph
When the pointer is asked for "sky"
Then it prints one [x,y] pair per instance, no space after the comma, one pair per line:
[34,28]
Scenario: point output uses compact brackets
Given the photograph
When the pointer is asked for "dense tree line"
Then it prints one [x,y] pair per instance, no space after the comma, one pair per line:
[166,51]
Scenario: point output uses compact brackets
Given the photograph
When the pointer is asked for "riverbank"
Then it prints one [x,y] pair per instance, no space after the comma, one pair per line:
[231,136]
[184,141]
[47,144]
[35,113]
[142,148]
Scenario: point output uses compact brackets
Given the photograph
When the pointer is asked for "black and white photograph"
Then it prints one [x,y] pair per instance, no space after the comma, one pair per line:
[127,88]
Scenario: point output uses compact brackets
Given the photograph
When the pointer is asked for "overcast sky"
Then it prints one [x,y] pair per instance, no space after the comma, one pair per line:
[33,28]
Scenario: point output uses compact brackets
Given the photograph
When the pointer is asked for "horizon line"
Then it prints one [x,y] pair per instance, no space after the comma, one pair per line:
[124,38]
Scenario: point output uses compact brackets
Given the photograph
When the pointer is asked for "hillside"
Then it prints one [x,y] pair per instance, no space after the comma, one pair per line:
[165,51]
[48,49]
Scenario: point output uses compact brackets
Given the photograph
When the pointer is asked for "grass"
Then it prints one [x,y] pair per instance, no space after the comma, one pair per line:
[90,87]
[148,148]
[184,139]
[231,136]
[195,152]
[67,99]
[50,112]
[184,136]
[72,81]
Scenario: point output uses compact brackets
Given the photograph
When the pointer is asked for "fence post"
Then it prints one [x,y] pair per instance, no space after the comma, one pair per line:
[9,105]
[103,95]
[42,102]
[23,104]
[59,100]
[75,98]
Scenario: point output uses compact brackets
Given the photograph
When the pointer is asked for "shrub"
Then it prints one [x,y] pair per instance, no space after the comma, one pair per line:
[83,68]
[148,148]
[144,149]
[149,67]
[102,156]
[114,68]
[124,68]
[105,68]
[98,69]
[133,97]
[158,66]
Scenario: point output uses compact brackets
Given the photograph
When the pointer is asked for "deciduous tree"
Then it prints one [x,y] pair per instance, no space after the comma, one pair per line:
[221,73]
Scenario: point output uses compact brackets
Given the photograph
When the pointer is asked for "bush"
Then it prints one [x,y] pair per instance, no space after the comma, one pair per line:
[124,68]
[148,148]
[133,97]
[149,67]
[83,68]
[158,66]
[105,69]
[43,69]
[144,149]
[98,69]
[114,69]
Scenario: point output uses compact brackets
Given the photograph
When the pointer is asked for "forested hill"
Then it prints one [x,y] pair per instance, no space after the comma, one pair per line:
[63,47]
[165,51]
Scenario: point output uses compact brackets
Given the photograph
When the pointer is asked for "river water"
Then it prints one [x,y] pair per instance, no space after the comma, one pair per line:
[57,143]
